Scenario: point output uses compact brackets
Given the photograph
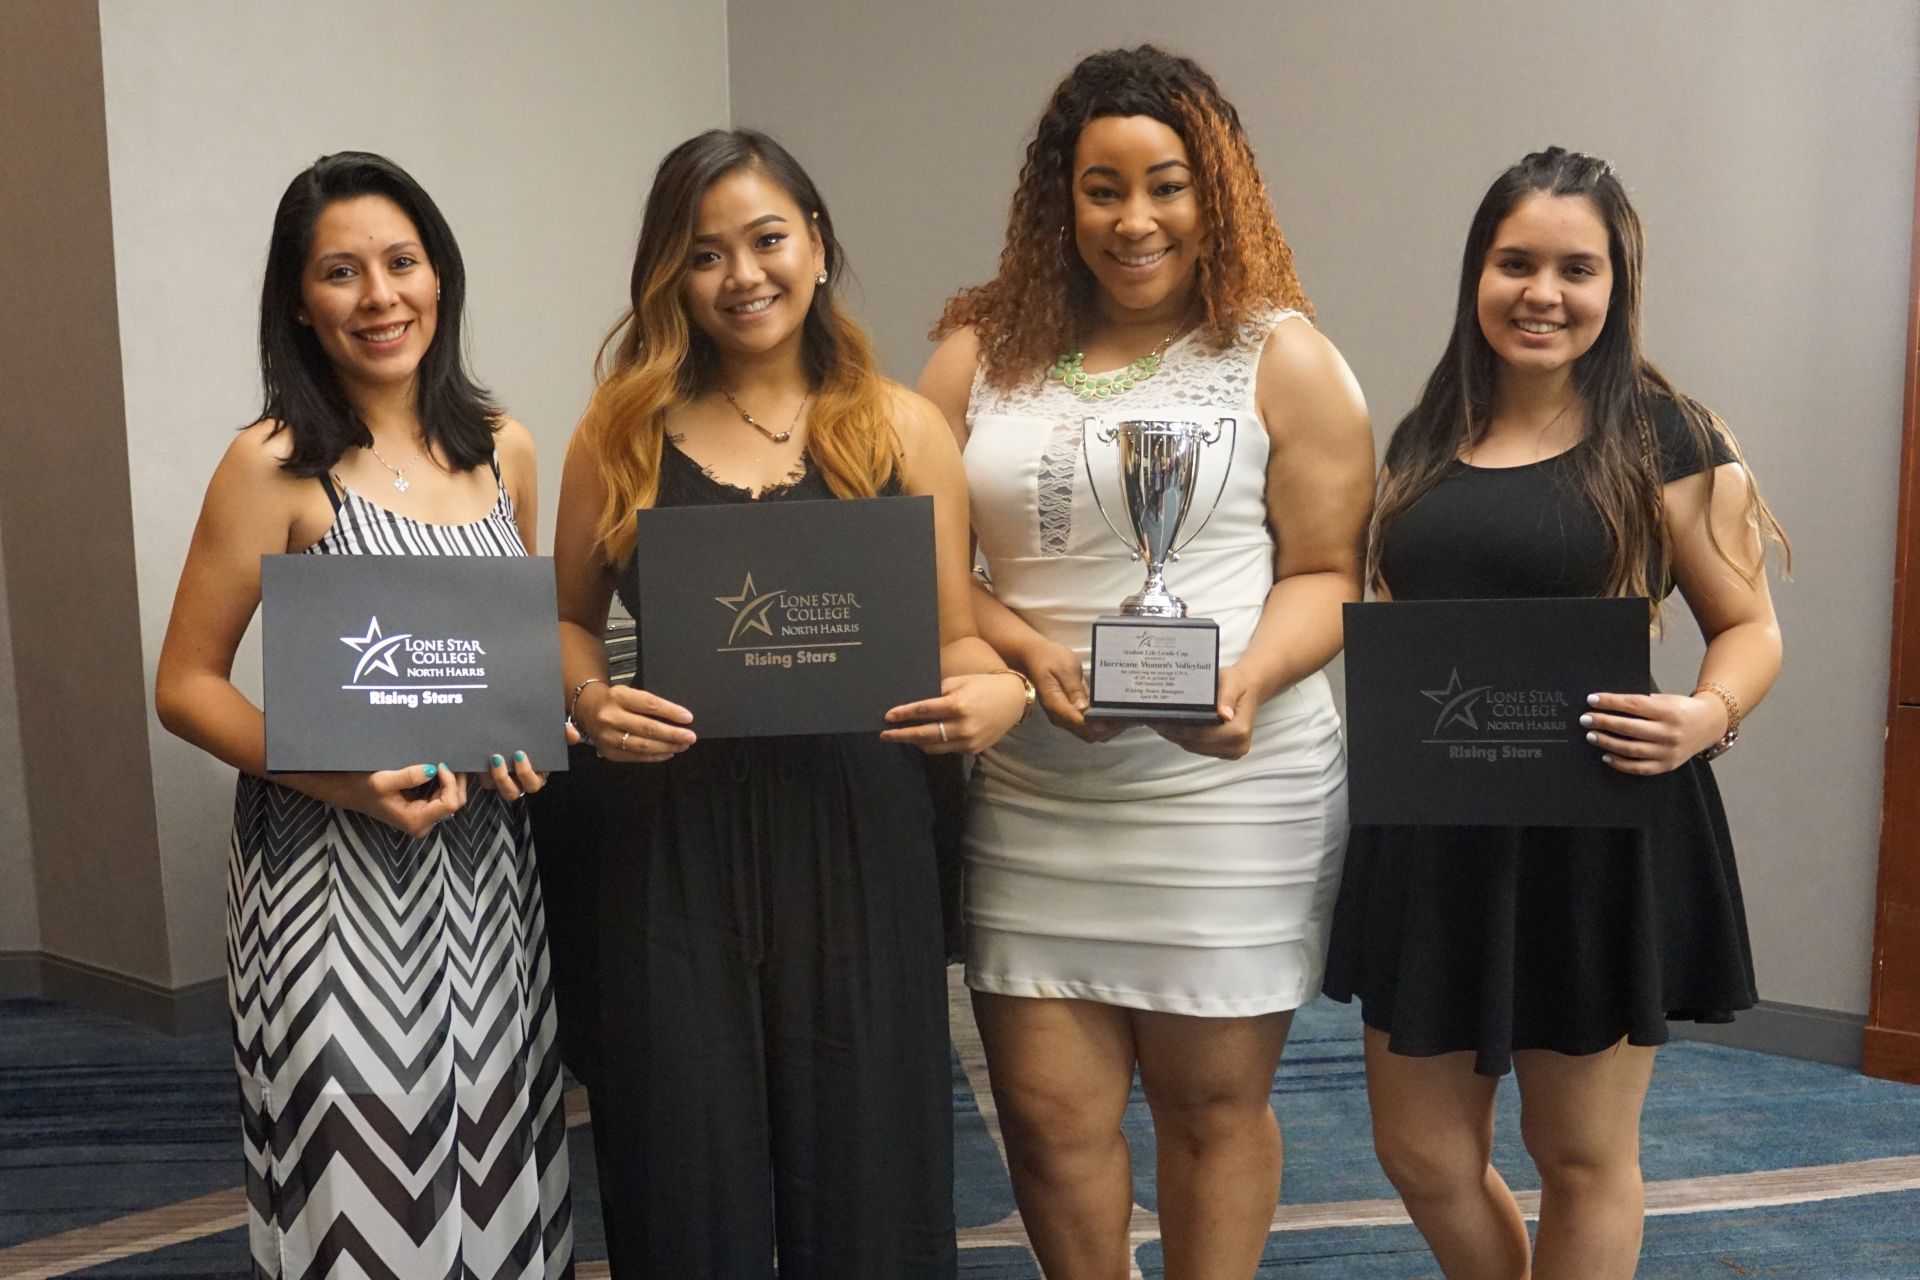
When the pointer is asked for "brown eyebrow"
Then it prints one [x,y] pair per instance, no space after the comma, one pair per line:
[760,221]
[1111,172]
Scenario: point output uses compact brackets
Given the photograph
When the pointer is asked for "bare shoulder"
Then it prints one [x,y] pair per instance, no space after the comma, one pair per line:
[1304,378]
[514,443]
[949,371]
[255,460]
[917,419]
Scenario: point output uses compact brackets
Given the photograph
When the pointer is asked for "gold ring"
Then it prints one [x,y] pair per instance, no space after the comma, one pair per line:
[943,730]
[625,734]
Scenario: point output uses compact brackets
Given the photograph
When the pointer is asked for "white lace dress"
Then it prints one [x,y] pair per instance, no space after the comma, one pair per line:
[1132,872]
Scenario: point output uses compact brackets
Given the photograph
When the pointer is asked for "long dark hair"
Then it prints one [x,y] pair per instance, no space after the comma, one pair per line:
[1032,309]
[1614,464]
[301,392]
[656,357]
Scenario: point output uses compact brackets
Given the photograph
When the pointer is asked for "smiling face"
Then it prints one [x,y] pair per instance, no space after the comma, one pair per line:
[1136,220]
[368,292]
[755,254]
[1545,284]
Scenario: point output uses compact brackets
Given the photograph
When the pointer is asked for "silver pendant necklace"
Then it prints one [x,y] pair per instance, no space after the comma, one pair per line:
[400,481]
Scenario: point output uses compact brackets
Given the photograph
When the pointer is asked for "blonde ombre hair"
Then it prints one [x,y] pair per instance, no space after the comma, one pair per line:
[655,357]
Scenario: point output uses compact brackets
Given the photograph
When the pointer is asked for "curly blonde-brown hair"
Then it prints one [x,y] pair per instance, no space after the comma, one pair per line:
[1036,306]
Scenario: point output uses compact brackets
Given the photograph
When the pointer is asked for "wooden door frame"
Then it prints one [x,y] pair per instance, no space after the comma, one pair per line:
[1890,1045]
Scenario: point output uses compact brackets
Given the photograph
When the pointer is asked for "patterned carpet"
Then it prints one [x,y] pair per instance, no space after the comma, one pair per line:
[119,1156]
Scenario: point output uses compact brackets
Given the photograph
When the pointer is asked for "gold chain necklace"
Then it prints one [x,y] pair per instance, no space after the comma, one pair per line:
[778,437]
[1067,371]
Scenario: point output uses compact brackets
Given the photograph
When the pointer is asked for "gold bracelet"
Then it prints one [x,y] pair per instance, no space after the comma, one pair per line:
[1725,695]
[1033,695]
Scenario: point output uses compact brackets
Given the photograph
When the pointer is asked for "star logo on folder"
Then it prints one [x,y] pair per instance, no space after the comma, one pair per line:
[750,608]
[376,651]
[1456,703]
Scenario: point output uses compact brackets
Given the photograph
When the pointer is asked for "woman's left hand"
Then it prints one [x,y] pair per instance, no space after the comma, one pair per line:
[1232,736]
[971,714]
[517,777]
[1652,733]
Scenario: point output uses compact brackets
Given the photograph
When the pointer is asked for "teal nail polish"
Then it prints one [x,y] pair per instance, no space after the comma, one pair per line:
[497,761]
[433,770]
[521,756]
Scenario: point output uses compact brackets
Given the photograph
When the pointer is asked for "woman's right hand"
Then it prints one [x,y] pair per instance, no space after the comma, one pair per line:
[632,725]
[415,799]
[1062,689]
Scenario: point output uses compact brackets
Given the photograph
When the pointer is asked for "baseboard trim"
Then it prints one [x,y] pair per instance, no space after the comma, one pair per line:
[198,1006]
[1787,1030]
[1888,1053]
[19,973]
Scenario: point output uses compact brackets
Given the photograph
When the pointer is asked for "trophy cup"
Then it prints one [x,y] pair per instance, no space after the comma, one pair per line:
[1151,661]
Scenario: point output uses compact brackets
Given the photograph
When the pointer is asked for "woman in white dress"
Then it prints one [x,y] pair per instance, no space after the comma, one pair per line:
[1152,894]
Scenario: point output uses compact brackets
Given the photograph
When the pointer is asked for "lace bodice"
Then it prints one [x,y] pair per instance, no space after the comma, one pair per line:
[1054,561]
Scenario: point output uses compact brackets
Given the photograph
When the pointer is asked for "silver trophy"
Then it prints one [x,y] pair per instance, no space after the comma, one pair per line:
[1151,660]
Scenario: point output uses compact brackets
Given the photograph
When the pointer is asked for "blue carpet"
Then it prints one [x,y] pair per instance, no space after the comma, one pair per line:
[99,1119]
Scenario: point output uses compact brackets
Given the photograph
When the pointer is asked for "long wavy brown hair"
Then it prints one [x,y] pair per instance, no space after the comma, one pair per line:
[1614,463]
[655,357]
[1040,302]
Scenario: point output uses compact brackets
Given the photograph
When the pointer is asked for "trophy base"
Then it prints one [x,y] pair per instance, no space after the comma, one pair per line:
[1155,668]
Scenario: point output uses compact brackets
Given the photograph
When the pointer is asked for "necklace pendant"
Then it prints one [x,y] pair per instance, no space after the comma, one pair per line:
[400,482]
[780,437]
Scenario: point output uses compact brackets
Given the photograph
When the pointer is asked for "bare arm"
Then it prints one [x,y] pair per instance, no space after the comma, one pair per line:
[249,511]
[519,472]
[947,382]
[1319,497]
[623,723]
[1654,733]
[974,707]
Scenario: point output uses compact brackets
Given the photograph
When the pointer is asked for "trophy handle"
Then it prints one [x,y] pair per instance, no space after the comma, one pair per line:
[1088,427]
[1232,428]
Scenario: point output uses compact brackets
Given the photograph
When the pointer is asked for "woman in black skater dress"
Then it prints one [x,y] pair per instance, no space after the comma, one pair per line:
[1546,457]
[772,1067]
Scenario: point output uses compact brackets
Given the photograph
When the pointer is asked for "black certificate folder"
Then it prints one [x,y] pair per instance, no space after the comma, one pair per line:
[774,618]
[380,662]
[1467,712]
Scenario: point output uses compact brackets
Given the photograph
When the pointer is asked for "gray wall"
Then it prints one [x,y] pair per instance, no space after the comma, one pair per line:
[536,129]
[1770,146]
[145,144]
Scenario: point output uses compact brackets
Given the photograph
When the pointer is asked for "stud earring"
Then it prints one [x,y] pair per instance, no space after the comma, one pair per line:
[820,279]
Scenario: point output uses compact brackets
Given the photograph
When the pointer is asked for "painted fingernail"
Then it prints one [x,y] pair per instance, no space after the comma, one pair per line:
[521,756]
[1586,722]
[1595,739]
[432,770]
[1593,699]
[1606,759]
[498,761]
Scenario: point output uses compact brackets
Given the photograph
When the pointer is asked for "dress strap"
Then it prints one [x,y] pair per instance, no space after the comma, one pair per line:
[493,460]
[333,496]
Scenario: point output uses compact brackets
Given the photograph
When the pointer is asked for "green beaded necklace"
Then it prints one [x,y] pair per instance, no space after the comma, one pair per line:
[1067,371]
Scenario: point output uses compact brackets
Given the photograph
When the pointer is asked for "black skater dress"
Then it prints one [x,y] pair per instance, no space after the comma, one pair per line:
[770,1066]
[1493,939]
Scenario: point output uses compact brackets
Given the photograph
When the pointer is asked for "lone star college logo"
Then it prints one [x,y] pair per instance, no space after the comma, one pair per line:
[376,651]
[750,609]
[1456,703]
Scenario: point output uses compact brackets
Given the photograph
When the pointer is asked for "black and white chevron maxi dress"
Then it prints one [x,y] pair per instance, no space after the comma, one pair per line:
[394,1025]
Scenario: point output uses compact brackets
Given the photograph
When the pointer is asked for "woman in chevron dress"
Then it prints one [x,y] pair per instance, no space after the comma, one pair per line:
[386,943]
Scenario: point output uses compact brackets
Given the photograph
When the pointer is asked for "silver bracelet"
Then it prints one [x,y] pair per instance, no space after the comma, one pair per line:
[573,699]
